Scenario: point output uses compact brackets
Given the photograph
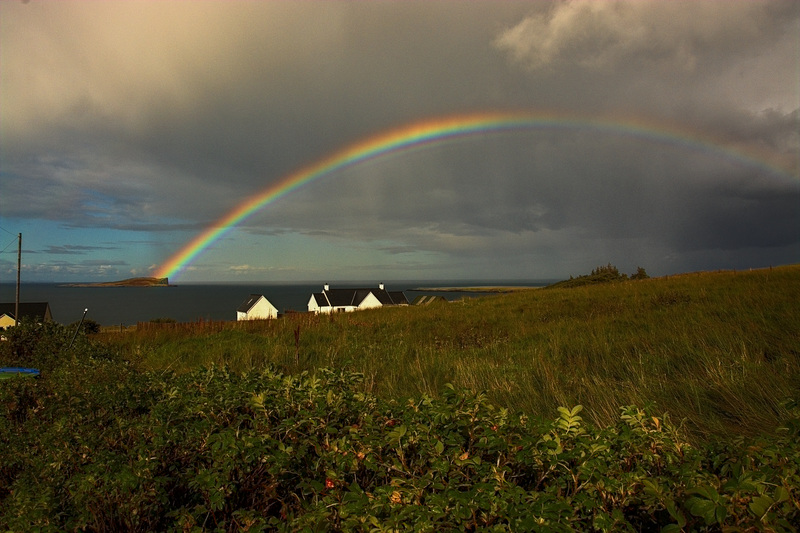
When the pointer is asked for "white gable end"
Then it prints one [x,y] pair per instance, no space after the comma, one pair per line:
[262,309]
[369,302]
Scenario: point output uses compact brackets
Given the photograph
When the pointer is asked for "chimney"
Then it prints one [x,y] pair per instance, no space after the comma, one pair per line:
[380,286]
[326,287]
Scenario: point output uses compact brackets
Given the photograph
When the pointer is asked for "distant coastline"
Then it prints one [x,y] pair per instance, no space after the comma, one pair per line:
[474,289]
[131,282]
[189,302]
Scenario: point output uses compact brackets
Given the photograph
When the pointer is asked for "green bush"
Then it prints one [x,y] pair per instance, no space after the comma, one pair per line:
[163,320]
[101,447]
[48,345]
[601,274]
[33,344]
[87,326]
[641,273]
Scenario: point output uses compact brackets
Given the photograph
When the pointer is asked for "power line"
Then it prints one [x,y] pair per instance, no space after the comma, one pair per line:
[4,229]
[9,244]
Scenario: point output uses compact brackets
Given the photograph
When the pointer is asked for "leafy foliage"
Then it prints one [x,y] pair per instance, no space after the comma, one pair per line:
[33,344]
[602,274]
[97,446]
[87,326]
[41,345]
[49,345]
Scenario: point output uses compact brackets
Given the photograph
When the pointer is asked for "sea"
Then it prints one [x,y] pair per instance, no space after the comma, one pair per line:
[111,306]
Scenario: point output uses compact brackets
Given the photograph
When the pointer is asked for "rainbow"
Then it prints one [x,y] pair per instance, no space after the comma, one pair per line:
[438,130]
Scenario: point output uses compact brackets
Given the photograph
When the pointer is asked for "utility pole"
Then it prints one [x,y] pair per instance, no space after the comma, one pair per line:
[78,328]
[19,268]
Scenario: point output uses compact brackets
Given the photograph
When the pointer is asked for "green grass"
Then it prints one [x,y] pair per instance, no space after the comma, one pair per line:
[720,350]
[143,431]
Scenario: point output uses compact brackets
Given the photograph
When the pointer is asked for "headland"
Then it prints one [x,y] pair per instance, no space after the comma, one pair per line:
[130,282]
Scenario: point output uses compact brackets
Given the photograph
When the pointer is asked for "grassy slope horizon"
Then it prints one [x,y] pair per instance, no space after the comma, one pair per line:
[719,350]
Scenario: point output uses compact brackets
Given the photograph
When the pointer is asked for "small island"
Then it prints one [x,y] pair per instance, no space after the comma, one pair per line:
[131,282]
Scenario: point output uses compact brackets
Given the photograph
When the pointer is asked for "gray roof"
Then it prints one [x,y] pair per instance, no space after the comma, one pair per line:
[32,310]
[320,298]
[346,297]
[354,297]
[398,297]
[249,303]
[427,299]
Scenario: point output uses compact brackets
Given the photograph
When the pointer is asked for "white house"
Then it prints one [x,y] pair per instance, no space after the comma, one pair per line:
[346,300]
[256,307]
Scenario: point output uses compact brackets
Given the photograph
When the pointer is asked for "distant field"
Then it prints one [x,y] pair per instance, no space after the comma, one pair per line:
[719,350]
[498,289]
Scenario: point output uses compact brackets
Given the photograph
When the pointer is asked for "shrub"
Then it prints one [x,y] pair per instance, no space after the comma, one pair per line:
[163,320]
[640,274]
[107,448]
[88,326]
[34,344]
[601,274]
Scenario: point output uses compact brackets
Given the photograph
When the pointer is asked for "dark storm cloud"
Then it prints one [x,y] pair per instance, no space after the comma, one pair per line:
[738,218]
[613,188]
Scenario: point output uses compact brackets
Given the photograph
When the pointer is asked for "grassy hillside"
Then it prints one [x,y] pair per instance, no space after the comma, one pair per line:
[720,350]
[141,431]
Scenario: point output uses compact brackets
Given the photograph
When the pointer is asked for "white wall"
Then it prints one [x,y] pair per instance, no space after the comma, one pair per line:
[370,302]
[260,311]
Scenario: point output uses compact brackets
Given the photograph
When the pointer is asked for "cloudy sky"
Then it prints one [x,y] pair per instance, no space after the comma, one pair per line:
[126,128]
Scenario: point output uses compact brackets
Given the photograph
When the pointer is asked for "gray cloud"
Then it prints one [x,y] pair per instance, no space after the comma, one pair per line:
[73,249]
[103,264]
[160,118]
[676,37]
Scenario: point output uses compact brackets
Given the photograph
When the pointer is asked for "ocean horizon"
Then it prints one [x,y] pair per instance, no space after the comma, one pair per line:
[190,302]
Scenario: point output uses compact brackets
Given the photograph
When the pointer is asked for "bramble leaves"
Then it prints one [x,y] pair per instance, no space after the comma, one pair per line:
[569,421]
[102,447]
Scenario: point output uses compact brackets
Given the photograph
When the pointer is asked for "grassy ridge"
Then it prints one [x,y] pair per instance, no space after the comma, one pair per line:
[109,439]
[721,350]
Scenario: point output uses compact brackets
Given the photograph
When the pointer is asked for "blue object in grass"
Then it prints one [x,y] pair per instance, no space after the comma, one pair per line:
[9,371]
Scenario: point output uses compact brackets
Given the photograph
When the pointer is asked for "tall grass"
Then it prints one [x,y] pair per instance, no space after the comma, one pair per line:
[720,350]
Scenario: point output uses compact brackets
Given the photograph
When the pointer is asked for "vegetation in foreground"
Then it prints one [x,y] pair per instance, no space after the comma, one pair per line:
[97,446]
[122,436]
